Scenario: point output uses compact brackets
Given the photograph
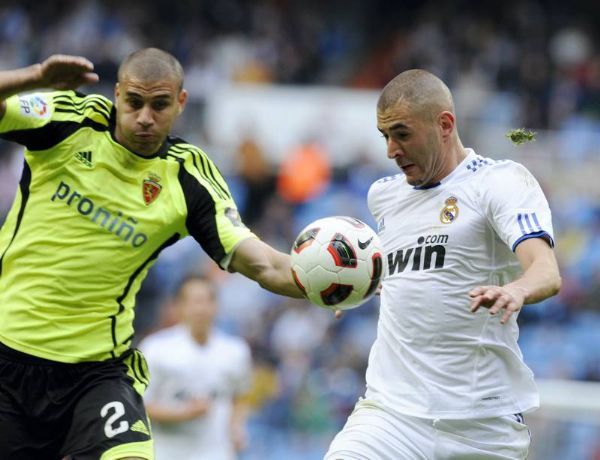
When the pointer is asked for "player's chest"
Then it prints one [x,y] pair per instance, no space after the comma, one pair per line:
[98,188]
[118,176]
[421,229]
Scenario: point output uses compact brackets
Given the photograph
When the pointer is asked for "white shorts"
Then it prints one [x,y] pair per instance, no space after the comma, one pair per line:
[372,433]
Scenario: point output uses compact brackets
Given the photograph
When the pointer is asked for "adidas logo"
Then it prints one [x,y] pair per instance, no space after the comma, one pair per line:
[140,427]
[85,158]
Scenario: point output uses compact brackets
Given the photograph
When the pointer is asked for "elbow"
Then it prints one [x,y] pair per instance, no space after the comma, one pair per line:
[555,285]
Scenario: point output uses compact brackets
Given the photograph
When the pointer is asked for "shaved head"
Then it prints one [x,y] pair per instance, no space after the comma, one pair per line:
[151,64]
[421,91]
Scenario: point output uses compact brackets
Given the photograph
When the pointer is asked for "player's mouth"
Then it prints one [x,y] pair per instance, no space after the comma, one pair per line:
[407,168]
[145,136]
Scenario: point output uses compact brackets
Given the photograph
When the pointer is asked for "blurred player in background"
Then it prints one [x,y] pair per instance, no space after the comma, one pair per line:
[198,377]
[104,189]
[446,378]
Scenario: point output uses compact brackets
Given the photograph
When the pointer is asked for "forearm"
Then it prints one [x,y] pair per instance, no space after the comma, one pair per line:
[19,80]
[277,276]
[267,266]
[540,281]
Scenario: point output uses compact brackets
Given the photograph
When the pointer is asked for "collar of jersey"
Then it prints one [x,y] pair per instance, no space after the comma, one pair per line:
[161,152]
[459,171]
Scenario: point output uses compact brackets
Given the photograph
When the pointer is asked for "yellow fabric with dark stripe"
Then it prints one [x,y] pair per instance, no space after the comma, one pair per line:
[144,449]
[89,219]
[137,369]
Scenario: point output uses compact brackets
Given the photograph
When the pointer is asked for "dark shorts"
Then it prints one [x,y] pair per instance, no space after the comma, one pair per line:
[89,411]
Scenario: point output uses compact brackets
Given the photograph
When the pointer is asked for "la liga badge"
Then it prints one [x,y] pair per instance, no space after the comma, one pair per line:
[151,188]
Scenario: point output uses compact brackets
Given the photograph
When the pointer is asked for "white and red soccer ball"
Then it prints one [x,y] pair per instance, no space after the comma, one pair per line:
[337,262]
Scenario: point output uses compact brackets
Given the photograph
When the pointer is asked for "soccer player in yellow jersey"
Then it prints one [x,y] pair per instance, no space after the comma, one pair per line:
[104,189]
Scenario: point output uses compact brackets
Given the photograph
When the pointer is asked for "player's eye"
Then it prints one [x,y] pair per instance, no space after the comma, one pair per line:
[160,105]
[135,104]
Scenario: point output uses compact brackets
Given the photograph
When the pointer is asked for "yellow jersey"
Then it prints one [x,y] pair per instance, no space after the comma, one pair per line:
[89,219]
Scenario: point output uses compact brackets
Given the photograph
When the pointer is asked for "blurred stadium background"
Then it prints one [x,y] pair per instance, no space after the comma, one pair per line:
[279,86]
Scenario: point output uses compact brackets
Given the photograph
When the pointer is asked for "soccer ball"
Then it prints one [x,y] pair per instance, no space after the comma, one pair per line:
[337,262]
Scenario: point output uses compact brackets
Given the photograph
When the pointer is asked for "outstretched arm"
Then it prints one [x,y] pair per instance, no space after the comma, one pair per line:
[58,72]
[270,268]
[540,280]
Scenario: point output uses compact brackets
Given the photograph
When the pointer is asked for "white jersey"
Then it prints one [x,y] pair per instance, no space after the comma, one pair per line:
[433,358]
[182,369]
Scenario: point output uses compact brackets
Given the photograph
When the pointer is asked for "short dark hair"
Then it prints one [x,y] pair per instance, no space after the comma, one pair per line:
[151,64]
[420,90]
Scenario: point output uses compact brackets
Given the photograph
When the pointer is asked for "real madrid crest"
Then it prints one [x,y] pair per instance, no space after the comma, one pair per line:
[450,212]
[151,188]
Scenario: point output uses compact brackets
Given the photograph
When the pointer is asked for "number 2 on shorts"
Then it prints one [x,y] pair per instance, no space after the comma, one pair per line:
[119,411]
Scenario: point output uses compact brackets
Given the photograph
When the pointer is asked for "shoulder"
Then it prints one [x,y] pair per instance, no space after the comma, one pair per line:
[97,99]
[197,170]
[184,151]
[194,158]
[80,106]
[388,181]
[504,173]
[382,188]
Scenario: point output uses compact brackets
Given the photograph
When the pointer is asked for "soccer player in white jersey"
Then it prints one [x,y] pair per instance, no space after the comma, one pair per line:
[198,375]
[446,378]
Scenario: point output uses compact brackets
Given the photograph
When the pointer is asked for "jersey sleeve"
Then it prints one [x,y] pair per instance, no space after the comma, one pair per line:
[39,121]
[375,196]
[212,216]
[371,201]
[26,112]
[379,194]
[515,205]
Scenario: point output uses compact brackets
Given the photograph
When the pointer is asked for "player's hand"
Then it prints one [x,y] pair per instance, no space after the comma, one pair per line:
[497,299]
[61,71]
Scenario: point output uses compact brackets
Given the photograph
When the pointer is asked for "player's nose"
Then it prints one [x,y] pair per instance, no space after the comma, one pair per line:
[145,117]
[393,149]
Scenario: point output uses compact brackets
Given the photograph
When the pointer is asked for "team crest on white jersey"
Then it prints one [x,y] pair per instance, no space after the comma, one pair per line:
[450,212]
[151,188]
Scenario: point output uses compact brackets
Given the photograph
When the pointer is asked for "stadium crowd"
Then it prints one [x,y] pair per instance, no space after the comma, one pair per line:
[544,57]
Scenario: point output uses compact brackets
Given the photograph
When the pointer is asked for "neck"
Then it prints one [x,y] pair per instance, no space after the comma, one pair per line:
[200,336]
[121,140]
[458,154]
[449,162]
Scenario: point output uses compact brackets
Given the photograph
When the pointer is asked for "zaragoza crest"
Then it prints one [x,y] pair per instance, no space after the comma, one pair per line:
[151,188]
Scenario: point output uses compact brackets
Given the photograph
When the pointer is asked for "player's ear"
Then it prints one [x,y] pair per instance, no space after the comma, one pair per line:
[446,123]
[182,100]
[117,90]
